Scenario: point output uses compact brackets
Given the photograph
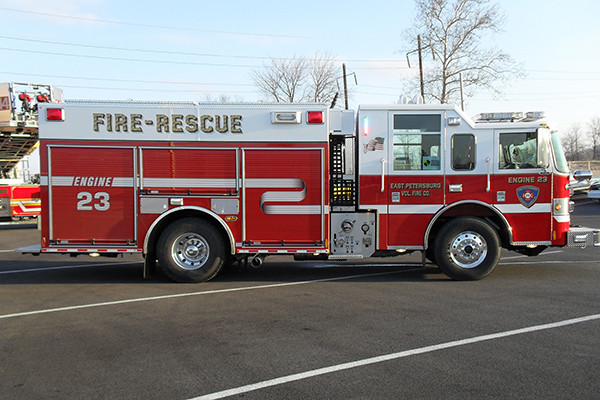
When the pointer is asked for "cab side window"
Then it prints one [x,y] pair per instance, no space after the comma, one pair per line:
[417,142]
[518,150]
[463,152]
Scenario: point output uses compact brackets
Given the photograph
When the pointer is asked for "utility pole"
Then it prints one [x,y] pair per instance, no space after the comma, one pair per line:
[421,67]
[418,50]
[345,85]
[462,96]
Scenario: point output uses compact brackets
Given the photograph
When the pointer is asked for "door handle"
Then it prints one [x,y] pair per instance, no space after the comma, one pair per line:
[455,188]
[489,183]
[382,175]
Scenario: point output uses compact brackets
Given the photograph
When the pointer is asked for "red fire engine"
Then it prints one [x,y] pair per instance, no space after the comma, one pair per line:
[21,201]
[194,186]
[19,104]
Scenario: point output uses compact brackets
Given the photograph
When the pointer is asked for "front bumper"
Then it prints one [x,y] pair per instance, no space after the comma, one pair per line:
[583,237]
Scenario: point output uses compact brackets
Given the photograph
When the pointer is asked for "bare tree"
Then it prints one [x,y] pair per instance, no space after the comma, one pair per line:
[298,79]
[572,142]
[323,74]
[222,98]
[594,135]
[451,32]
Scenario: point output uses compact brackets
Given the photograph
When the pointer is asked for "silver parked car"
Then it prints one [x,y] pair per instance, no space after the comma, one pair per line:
[594,190]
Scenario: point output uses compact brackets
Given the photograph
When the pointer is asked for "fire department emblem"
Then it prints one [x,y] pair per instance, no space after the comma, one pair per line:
[528,195]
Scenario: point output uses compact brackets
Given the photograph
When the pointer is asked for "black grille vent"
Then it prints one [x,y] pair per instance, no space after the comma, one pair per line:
[342,192]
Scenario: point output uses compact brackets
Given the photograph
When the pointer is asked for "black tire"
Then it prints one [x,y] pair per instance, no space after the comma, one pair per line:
[467,248]
[191,250]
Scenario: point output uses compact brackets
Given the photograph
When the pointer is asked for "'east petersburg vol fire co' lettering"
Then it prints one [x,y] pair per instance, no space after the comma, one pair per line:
[175,123]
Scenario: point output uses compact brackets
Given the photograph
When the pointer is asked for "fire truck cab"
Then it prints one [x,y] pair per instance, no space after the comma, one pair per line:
[194,186]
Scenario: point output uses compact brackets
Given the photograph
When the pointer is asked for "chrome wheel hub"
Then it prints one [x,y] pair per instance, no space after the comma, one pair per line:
[190,251]
[468,249]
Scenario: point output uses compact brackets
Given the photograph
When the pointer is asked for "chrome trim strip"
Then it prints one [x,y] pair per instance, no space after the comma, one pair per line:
[196,208]
[458,203]
[540,243]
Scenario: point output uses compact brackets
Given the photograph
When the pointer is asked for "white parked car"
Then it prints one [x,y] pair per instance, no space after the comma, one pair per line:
[594,190]
[580,181]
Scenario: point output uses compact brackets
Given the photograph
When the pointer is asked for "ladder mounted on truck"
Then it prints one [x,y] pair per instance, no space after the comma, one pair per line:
[19,119]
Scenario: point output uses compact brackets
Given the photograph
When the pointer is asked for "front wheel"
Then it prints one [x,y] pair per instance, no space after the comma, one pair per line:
[467,249]
[190,250]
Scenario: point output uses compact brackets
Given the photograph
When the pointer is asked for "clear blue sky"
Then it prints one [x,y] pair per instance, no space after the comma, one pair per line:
[556,41]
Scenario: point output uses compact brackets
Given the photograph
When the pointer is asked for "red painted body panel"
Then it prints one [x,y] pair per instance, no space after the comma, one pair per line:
[412,202]
[198,173]
[25,201]
[98,204]
[286,207]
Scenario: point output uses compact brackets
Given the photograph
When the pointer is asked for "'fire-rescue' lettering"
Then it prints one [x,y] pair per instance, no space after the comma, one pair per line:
[175,123]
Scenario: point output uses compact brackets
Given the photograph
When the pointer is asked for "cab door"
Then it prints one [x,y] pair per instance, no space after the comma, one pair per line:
[523,188]
[469,165]
[416,176]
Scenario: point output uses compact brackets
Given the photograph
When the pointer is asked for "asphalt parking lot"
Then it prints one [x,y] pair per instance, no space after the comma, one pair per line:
[93,328]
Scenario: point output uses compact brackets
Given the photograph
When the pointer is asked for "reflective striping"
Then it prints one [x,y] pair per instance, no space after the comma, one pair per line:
[123,182]
[287,196]
[292,210]
[62,180]
[87,250]
[271,251]
[190,183]
[27,205]
[414,209]
[518,208]
[289,183]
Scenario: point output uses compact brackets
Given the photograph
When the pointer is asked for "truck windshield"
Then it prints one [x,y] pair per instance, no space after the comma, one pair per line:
[560,161]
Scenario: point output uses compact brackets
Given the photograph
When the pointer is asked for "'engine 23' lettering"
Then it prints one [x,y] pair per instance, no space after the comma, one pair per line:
[176,123]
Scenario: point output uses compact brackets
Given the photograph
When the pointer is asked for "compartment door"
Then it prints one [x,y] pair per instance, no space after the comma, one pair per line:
[92,195]
[284,197]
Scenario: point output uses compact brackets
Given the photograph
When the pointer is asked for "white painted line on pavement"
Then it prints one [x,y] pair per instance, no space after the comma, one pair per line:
[16,271]
[523,255]
[547,262]
[388,357]
[173,296]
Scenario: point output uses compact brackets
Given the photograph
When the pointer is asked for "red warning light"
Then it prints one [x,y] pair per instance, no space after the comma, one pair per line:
[315,117]
[55,114]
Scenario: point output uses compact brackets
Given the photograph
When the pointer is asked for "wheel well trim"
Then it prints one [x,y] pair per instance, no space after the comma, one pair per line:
[443,210]
[203,210]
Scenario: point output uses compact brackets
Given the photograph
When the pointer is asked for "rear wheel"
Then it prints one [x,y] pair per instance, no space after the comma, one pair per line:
[191,250]
[467,249]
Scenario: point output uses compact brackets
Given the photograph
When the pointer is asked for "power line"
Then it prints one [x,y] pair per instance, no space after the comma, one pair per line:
[88,78]
[168,27]
[129,59]
[162,61]
[154,90]
[92,46]
[129,49]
